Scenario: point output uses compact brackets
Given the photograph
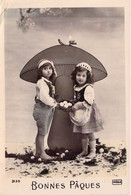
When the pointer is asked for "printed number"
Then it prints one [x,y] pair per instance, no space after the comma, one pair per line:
[15,181]
[117,182]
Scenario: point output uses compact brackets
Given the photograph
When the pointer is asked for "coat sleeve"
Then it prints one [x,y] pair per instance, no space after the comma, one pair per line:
[44,94]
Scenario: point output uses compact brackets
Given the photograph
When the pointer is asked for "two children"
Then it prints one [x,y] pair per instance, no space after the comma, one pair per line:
[84,98]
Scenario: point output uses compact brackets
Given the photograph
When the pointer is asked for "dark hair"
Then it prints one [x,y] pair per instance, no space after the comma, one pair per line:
[81,69]
[52,77]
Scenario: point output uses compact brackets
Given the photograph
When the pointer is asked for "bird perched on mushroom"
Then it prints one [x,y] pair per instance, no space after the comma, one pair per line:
[71,42]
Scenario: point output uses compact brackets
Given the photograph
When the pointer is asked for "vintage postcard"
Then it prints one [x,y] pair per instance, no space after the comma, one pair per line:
[64,97]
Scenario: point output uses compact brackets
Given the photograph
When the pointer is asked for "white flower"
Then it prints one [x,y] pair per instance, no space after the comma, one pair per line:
[32,24]
[101,150]
[29,20]
[62,155]
[32,157]
[39,159]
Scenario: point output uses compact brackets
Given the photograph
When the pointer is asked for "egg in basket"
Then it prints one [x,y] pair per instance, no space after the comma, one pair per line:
[66,105]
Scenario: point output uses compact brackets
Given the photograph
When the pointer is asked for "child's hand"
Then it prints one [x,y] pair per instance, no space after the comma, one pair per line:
[77,106]
[74,108]
[58,105]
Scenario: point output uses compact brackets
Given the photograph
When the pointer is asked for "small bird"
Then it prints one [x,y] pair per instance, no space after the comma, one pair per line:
[71,42]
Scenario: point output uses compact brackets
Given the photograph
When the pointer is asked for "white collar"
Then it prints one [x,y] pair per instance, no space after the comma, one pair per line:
[46,79]
[80,88]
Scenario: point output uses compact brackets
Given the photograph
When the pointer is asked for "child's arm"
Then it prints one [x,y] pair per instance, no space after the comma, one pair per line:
[44,94]
[88,96]
[77,106]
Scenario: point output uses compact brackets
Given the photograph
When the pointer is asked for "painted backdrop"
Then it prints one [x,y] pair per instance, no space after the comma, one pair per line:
[99,31]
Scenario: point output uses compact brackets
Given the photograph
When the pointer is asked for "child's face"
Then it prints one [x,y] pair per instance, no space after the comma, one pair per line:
[81,77]
[47,71]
